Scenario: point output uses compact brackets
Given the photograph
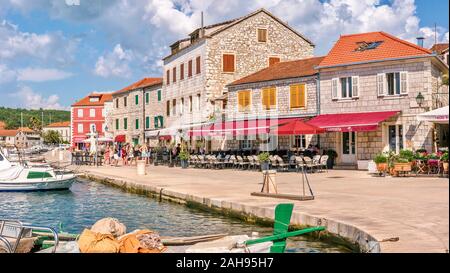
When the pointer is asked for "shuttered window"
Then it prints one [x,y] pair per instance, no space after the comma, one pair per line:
[117,124]
[334,88]
[297,96]
[228,63]
[174,74]
[244,100]
[147,122]
[137,124]
[197,65]
[355,86]
[168,77]
[403,82]
[269,98]
[125,123]
[159,95]
[168,108]
[380,84]
[190,68]
[273,60]
[147,98]
[262,35]
[136,99]
[181,72]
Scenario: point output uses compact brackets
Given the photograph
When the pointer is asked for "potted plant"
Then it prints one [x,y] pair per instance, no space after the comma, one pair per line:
[402,163]
[184,156]
[382,162]
[332,155]
[444,160]
[264,160]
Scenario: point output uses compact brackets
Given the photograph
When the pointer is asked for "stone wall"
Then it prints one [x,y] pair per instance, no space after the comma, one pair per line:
[416,135]
[250,56]
[132,112]
[283,99]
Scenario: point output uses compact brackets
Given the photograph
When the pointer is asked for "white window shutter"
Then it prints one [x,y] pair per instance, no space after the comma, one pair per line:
[334,88]
[355,87]
[381,84]
[403,82]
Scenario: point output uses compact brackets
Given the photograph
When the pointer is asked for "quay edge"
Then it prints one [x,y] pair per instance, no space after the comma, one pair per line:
[337,232]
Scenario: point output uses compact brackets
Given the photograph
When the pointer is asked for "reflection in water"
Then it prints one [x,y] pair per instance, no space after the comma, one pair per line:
[88,202]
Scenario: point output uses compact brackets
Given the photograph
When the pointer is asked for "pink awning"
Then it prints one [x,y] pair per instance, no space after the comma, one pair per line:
[239,127]
[352,122]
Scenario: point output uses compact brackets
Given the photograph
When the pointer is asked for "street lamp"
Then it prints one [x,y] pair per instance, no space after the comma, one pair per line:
[420,99]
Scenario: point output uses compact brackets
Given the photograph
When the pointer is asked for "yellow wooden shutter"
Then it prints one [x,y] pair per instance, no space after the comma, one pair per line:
[302,95]
[244,100]
[294,90]
[273,97]
[265,98]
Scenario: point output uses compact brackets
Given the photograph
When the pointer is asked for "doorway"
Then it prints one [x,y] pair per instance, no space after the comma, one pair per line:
[348,147]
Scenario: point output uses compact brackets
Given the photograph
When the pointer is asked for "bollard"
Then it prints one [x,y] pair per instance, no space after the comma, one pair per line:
[141,167]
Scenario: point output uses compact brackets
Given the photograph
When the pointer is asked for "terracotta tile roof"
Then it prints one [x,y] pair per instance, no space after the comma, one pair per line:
[9,133]
[59,124]
[283,70]
[103,97]
[145,82]
[25,130]
[439,48]
[345,50]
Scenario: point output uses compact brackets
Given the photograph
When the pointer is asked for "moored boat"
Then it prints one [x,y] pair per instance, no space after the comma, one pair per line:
[25,178]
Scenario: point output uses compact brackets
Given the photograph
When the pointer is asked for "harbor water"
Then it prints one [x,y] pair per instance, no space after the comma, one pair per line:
[86,202]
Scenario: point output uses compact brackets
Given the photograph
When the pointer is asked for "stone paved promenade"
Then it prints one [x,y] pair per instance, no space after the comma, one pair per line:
[414,209]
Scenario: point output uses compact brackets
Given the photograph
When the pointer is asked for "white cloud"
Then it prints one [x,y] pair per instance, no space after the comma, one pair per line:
[46,47]
[30,99]
[6,74]
[115,63]
[42,74]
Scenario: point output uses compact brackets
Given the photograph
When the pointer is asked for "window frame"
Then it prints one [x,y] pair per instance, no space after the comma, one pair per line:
[190,68]
[181,71]
[168,77]
[305,96]
[198,65]
[273,107]
[266,32]
[223,62]
[249,107]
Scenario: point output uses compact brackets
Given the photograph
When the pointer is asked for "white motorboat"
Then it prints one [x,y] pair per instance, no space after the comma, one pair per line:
[23,178]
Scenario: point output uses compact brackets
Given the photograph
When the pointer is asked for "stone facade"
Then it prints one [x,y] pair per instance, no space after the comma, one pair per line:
[134,110]
[250,56]
[282,109]
[423,76]
[154,111]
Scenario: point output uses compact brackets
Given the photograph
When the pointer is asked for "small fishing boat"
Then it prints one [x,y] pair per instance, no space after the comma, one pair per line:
[19,177]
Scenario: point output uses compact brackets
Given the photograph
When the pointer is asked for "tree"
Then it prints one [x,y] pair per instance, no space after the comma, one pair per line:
[52,137]
[35,124]
[445,79]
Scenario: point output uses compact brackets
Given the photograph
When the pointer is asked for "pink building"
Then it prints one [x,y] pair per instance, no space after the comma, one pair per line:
[88,115]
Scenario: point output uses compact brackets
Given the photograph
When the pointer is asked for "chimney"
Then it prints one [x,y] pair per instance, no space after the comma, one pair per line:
[420,41]
[202,31]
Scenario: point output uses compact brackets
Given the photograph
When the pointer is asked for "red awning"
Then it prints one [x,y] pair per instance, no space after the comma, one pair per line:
[78,139]
[298,127]
[352,122]
[165,138]
[120,138]
[238,127]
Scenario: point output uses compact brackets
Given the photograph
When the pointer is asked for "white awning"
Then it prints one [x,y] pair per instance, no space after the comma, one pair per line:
[171,131]
[436,116]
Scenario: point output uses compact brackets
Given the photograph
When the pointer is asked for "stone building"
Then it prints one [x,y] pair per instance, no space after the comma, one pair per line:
[284,91]
[369,84]
[9,138]
[199,68]
[87,116]
[63,128]
[133,111]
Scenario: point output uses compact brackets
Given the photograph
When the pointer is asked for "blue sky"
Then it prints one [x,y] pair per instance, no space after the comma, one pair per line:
[52,54]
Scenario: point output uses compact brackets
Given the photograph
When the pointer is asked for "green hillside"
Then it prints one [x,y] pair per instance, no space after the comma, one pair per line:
[12,117]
